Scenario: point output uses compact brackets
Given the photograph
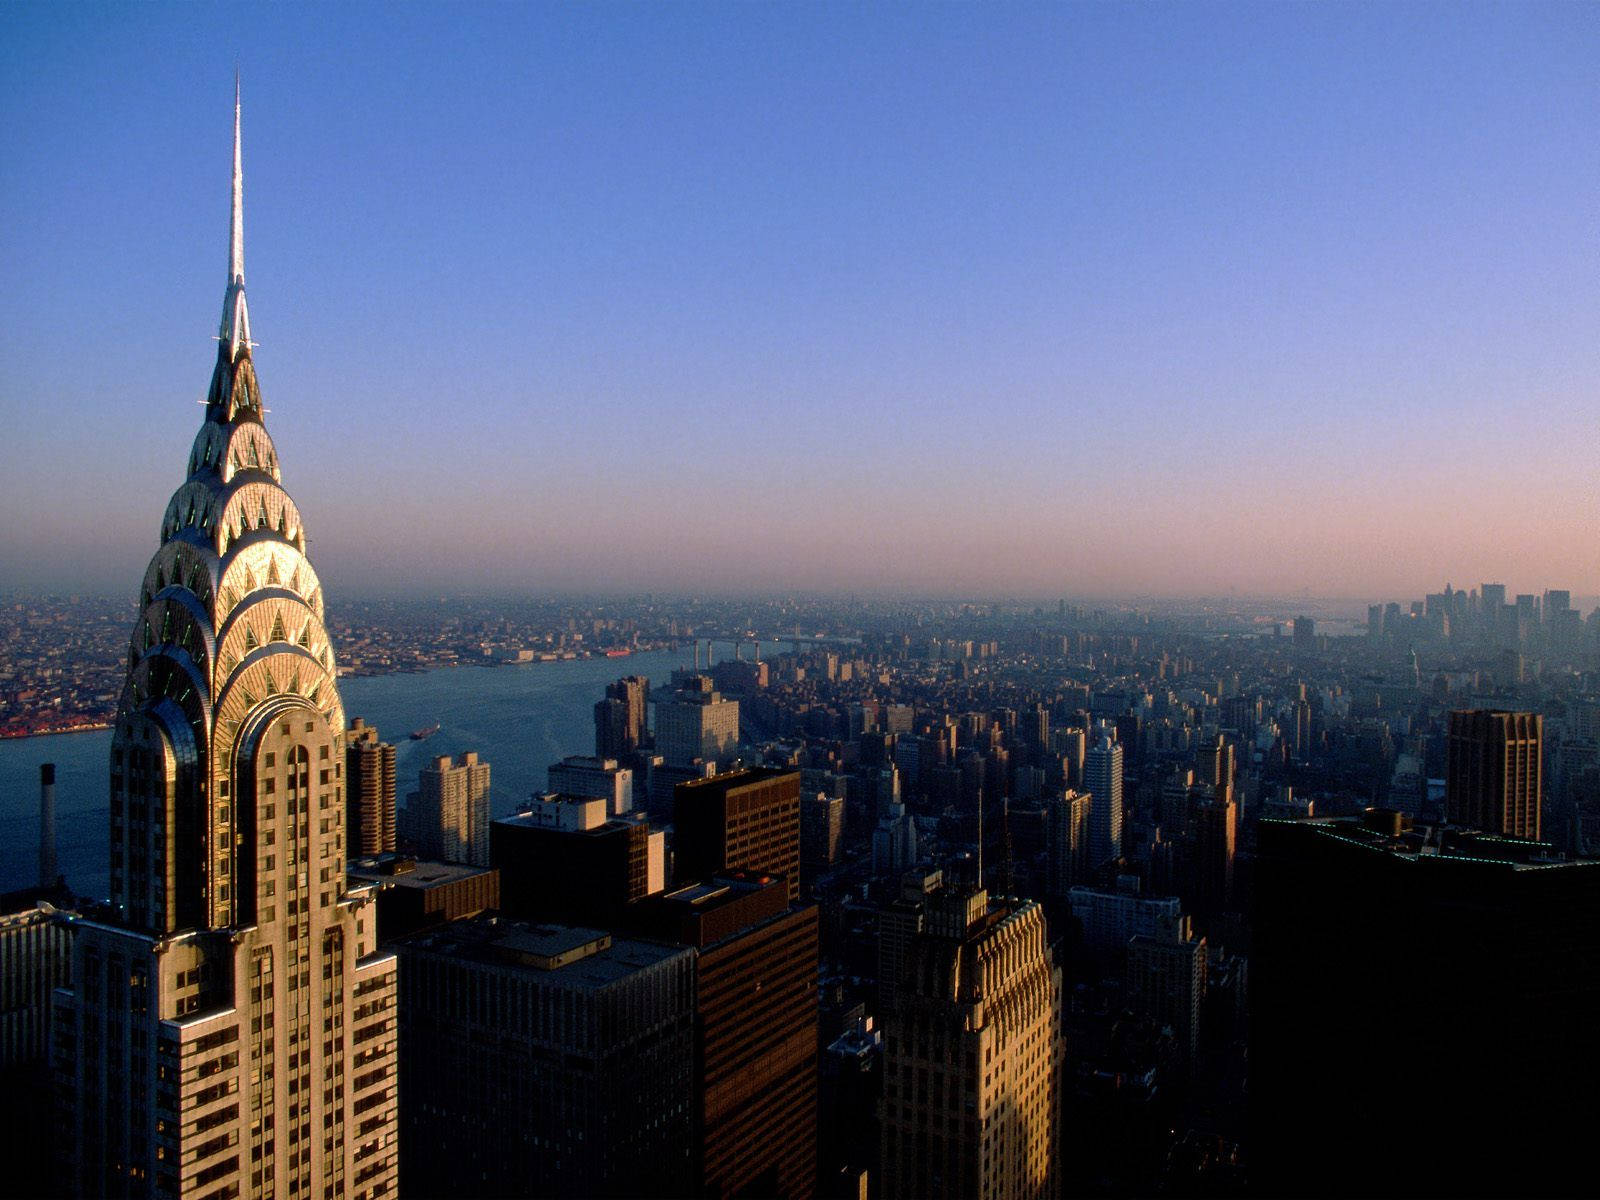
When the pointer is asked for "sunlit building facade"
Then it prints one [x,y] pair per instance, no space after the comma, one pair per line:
[230,1026]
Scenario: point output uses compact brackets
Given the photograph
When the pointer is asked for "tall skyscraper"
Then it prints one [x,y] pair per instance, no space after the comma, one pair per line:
[821,831]
[1494,771]
[742,821]
[972,1053]
[619,719]
[1066,826]
[1167,983]
[755,1032]
[1215,760]
[1102,778]
[230,1030]
[1469,1026]
[448,817]
[543,1060]
[369,787]
[1214,829]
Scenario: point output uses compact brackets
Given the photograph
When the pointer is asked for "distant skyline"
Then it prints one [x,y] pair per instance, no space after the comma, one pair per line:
[1081,300]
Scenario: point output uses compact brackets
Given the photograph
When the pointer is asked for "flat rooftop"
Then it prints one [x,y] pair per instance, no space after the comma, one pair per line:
[401,870]
[566,955]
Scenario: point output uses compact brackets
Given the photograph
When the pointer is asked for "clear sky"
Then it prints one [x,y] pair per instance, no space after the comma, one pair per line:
[1069,299]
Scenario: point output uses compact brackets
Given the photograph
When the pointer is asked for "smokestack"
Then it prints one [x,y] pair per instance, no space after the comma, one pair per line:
[47,825]
[758,649]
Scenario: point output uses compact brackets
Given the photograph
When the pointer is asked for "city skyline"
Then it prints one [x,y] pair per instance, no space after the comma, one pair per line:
[1077,301]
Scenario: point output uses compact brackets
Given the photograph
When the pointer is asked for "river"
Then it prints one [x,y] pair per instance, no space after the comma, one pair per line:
[520,719]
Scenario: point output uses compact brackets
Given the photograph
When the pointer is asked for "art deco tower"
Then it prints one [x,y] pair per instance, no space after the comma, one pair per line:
[230,1029]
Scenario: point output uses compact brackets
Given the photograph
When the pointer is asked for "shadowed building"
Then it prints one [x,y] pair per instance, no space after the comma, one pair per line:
[545,1060]
[414,895]
[561,859]
[1439,982]
[1494,771]
[741,821]
[230,1026]
[369,788]
[756,1021]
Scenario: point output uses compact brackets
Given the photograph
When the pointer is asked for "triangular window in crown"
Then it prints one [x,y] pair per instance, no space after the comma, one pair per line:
[278,635]
[255,456]
[272,684]
[304,640]
[250,642]
[272,572]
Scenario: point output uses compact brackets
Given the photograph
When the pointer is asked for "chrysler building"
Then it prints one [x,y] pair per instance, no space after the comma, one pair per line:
[230,1029]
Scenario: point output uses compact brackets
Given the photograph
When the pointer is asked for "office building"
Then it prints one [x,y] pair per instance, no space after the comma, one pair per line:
[695,722]
[972,1051]
[603,777]
[851,1087]
[1167,985]
[1070,745]
[1305,633]
[821,831]
[369,791]
[1440,979]
[230,1027]
[1215,767]
[414,895]
[447,819]
[899,922]
[1111,920]
[563,859]
[894,841]
[742,821]
[756,1024]
[1213,832]
[619,718]
[35,959]
[543,1060]
[1066,825]
[1494,771]
[1102,779]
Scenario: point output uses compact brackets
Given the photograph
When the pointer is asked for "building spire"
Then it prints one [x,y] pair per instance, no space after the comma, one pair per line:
[235,332]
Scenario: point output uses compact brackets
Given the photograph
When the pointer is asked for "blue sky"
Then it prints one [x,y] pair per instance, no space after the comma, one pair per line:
[1078,299]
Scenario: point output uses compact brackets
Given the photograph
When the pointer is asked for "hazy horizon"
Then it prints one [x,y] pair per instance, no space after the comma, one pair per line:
[1226,301]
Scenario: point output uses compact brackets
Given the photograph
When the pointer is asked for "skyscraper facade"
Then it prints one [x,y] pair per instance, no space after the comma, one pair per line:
[695,722]
[369,788]
[972,1053]
[1494,771]
[619,718]
[742,821]
[230,1027]
[1102,779]
[448,817]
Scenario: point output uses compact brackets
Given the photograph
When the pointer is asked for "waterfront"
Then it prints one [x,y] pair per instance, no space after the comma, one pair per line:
[519,718]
